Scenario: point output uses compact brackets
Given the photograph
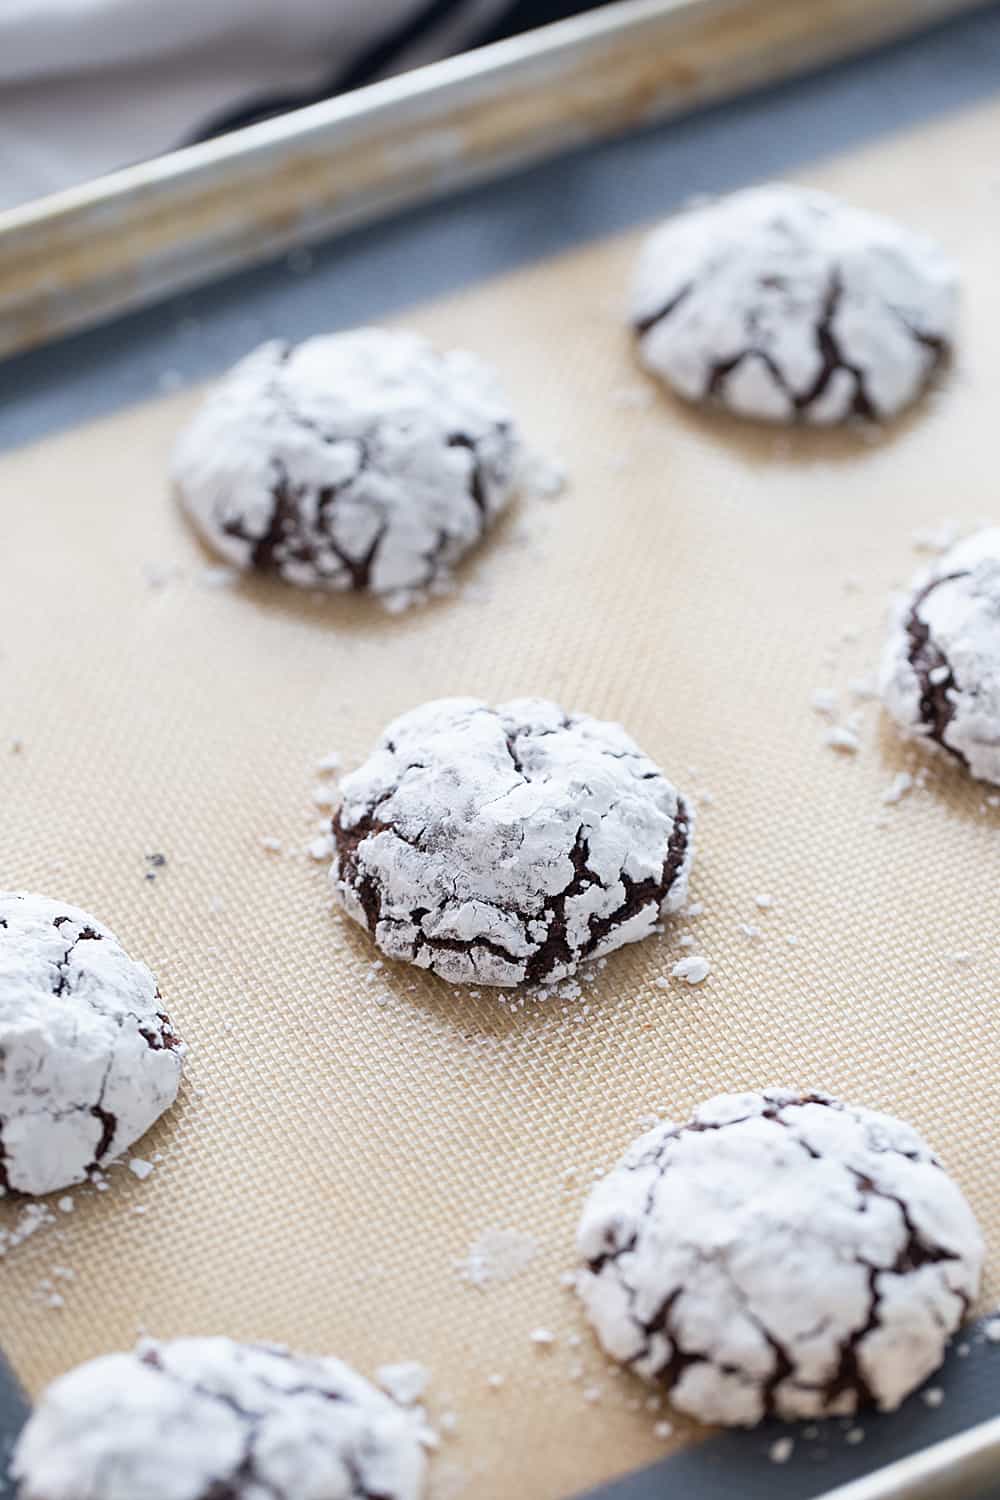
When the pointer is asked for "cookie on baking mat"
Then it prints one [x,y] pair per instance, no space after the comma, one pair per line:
[501,845]
[787,305]
[940,676]
[209,1419]
[780,1254]
[88,1059]
[362,460]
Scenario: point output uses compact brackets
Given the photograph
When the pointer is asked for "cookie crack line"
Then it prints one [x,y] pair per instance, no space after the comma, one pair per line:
[831,358]
[76,1005]
[866,1379]
[331,465]
[759,281]
[937,708]
[511,802]
[246,1473]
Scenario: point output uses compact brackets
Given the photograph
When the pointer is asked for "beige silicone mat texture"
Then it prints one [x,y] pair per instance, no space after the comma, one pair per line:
[343,1137]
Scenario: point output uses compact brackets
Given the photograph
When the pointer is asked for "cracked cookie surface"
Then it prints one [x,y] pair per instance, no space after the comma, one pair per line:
[209,1419]
[88,1059]
[363,460]
[940,676]
[788,305]
[502,845]
[781,1254]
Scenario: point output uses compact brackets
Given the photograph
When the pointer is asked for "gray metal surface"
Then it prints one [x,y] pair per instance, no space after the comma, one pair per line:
[370,274]
[376,271]
[75,258]
[13,1410]
[739,1465]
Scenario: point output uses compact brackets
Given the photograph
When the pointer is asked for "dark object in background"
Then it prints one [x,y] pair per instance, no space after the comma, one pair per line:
[13,1415]
[379,60]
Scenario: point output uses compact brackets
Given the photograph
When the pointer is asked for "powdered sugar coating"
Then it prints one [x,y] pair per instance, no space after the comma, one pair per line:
[786,304]
[364,460]
[940,676]
[209,1419]
[781,1254]
[498,845]
[88,1059]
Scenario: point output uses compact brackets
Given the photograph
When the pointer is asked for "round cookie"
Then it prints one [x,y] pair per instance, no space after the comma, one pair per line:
[498,845]
[362,460]
[940,677]
[209,1419]
[88,1060]
[781,1254]
[787,305]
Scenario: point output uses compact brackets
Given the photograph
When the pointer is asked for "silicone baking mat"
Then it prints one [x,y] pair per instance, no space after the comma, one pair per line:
[346,1133]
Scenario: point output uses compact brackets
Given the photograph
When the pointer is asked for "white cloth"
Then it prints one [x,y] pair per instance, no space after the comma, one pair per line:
[90,85]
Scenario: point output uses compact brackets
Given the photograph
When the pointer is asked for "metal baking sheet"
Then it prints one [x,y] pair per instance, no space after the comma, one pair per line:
[963,138]
[77,257]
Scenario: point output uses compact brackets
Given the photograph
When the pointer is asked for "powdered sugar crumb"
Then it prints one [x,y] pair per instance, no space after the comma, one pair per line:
[405,1382]
[692,970]
[839,738]
[901,783]
[781,1450]
[497,1255]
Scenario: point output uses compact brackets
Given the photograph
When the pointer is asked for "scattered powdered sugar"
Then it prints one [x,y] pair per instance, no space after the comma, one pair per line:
[321,847]
[692,970]
[663,1430]
[542,476]
[824,701]
[140,1168]
[901,783]
[324,795]
[933,1396]
[497,1255]
[763,901]
[840,738]
[543,1337]
[992,1330]
[270,843]
[405,1382]
[217,577]
[32,1217]
[328,764]
[781,1450]
[937,538]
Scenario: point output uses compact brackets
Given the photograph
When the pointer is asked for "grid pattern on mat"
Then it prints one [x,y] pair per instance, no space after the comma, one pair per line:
[345,1134]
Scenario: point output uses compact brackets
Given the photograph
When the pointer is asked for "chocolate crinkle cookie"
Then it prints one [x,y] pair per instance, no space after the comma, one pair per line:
[940,675]
[88,1059]
[502,845]
[781,1254]
[209,1419]
[362,460]
[787,305]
